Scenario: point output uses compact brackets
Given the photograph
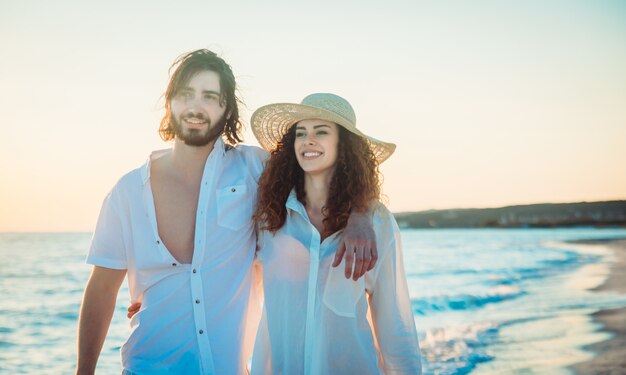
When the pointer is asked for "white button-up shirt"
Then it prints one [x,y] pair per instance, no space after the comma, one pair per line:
[315,321]
[195,318]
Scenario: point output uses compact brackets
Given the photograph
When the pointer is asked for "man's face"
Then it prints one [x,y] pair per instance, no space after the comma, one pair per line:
[197,114]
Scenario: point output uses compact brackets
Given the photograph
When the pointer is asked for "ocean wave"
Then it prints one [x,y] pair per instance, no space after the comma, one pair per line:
[424,306]
[569,259]
[457,349]
[6,344]
[68,315]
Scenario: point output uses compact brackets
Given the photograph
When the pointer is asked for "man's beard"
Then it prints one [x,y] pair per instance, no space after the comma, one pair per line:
[199,137]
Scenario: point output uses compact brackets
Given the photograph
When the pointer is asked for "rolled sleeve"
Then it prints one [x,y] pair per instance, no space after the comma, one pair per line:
[107,245]
[392,314]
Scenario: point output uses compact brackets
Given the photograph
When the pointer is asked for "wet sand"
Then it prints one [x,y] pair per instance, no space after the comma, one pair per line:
[610,358]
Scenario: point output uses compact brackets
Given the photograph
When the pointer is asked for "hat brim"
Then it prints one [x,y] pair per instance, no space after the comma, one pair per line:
[270,123]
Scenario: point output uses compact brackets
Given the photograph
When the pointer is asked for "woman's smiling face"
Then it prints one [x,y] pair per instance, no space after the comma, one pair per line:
[316,145]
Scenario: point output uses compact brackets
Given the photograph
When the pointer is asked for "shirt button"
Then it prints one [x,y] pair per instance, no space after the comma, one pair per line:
[194,270]
[197,301]
[173,264]
[233,190]
[200,331]
[158,242]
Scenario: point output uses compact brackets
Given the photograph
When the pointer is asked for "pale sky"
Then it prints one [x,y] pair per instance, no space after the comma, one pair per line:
[490,103]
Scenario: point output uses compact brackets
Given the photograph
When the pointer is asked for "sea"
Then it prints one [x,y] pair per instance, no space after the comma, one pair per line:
[485,301]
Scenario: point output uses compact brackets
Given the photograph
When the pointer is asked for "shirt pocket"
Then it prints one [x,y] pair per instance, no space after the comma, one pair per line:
[341,295]
[234,207]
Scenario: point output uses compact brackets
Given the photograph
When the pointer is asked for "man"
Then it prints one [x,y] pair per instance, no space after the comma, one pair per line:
[180,227]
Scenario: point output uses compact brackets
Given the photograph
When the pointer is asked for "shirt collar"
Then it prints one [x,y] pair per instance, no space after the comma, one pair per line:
[294,204]
[221,146]
[145,170]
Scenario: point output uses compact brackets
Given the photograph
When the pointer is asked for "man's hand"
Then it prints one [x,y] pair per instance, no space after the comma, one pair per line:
[358,245]
[133,309]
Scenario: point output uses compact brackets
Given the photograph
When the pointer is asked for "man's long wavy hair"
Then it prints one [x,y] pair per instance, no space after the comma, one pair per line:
[185,68]
[355,183]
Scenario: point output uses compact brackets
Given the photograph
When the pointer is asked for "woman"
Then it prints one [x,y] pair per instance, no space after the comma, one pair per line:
[315,321]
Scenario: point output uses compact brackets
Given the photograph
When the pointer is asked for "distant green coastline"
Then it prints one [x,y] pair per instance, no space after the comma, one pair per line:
[548,215]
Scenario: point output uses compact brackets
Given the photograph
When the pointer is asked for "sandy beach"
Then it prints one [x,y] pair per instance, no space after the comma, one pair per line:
[610,358]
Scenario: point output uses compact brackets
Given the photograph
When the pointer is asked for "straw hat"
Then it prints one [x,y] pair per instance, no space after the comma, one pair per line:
[271,122]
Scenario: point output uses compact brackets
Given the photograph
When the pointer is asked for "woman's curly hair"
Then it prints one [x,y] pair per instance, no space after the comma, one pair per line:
[354,186]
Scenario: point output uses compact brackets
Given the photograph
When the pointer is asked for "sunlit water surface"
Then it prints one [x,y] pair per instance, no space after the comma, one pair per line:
[485,301]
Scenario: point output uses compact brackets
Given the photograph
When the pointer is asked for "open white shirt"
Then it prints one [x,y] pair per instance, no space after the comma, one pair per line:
[195,318]
[315,321]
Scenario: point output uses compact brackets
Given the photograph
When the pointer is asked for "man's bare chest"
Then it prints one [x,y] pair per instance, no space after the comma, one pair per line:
[175,207]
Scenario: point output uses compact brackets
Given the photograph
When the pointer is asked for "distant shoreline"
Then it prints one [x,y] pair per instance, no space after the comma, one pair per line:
[607,214]
[551,215]
[610,355]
